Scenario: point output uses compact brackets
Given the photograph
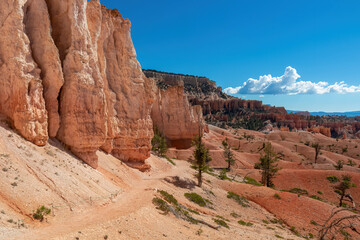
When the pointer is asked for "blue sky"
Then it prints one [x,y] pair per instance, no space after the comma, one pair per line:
[231,41]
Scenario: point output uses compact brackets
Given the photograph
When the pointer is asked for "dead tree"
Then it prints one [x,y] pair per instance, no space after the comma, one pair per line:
[338,223]
[342,188]
[351,199]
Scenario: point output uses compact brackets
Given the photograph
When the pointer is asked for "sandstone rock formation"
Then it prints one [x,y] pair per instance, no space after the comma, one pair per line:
[127,90]
[82,99]
[21,89]
[173,115]
[46,55]
[68,69]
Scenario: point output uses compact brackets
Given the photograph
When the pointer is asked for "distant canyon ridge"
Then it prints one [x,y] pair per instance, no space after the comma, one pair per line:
[223,110]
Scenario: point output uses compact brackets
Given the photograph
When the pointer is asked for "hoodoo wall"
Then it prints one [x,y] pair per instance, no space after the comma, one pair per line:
[129,127]
[82,99]
[68,69]
[175,118]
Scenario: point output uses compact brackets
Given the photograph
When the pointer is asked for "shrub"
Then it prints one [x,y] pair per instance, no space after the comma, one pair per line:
[345,233]
[276,221]
[351,163]
[223,175]
[41,212]
[161,205]
[169,160]
[243,223]
[221,222]
[299,191]
[339,165]
[194,211]
[314,223]
[168,197]
[196,198]
[332,179]
[277,196]
[239,199]
[221,217]
[293,229]
[316,197]
[234,215]
[252,181]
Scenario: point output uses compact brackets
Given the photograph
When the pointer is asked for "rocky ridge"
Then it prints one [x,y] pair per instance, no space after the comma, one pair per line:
[226,111]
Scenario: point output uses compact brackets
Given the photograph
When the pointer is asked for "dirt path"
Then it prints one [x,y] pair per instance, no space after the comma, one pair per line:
[131,200]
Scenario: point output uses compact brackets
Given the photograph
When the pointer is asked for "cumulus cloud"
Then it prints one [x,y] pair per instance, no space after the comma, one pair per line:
[289,84]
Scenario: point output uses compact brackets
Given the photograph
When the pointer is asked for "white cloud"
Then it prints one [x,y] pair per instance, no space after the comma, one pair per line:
[289,84]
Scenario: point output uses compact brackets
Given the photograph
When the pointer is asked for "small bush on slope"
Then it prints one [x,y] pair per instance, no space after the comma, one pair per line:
[221,222]
[196,198]
[41,212]
[239,199]
[168,197]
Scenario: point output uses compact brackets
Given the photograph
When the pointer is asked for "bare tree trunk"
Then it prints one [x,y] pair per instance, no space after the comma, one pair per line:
[341,200]
[200,177]
[317,151]
[351,199]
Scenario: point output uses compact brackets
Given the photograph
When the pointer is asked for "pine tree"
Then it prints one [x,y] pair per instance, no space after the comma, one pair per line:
[202,158]
[317,148]
[158,143]
[268,165]
[229,156]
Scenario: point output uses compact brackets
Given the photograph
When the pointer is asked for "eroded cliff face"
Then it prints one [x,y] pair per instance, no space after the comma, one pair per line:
[127,90]
[68,70]
[175,118]
[21,89]
[82,99]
